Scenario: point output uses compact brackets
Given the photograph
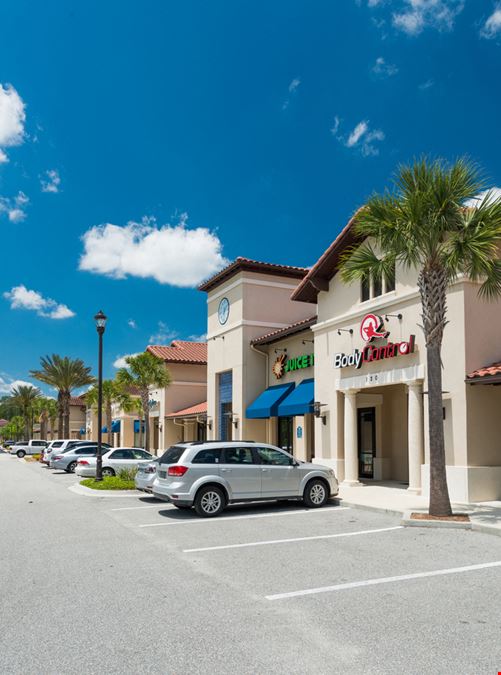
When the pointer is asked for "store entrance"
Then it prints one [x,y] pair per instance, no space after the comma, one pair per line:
[366,441]
[285,437]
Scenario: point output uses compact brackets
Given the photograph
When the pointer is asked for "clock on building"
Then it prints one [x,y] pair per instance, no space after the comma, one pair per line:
[223,311]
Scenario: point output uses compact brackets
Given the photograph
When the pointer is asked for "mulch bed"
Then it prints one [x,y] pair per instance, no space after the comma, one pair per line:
[456,518]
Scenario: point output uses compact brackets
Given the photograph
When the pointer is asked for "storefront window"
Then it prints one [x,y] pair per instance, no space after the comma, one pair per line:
[373,287]
[285,433]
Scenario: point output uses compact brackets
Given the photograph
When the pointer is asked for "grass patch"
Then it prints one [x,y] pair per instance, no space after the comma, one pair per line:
[109,483]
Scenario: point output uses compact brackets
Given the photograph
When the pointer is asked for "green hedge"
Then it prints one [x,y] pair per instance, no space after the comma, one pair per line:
[109,483]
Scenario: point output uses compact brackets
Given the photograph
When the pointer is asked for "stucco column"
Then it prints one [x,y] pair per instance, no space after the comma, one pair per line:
[350,439]
[415,432]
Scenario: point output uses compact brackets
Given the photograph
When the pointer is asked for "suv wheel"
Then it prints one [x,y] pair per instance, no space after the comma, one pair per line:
[315,494]
[108,472]
[209,501]
[71,467]
[20,454]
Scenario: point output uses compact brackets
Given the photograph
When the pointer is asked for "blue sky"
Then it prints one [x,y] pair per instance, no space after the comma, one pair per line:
[143,144]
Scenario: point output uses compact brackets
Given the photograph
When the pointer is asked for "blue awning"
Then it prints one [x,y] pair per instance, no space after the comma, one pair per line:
[137,426]
[299,401]
[266,404]
[104,430]
[115,426]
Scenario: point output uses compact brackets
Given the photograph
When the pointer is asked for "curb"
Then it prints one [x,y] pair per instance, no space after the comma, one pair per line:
[89,492]
[367,507]
[486,529]
[407,521]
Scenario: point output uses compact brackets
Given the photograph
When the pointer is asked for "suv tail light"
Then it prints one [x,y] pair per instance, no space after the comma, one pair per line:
[177,470]
[82,461]
[150,469]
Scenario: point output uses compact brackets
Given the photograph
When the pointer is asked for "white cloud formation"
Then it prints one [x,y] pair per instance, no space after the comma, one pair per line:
[14,208]
[3,157]
[362,137]
[335,126]
[383,69]
[493,194]
[21,297]
[120,360]
[357,134]
[12,119]
[171,254]
[416,15]
[293,86]
[163,334]
[426,85]
[198,338]
[492,26]
[50,181]
[6,387]
[131,323]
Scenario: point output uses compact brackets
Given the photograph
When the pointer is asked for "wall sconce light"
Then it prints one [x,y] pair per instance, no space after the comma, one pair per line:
[160,427]
[218,337]
[317,411]
[396,316]
[305,341]
[234,421]
[345,330]
[278,351]
[208,421]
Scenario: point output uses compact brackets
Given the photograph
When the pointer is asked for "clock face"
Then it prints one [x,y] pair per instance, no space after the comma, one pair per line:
[223,311]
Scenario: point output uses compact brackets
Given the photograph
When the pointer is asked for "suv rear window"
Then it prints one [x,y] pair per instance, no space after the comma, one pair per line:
[172,455]
[210,456]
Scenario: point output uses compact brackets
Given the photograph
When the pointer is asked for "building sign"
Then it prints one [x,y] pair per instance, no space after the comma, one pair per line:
[283,364]
[372,328]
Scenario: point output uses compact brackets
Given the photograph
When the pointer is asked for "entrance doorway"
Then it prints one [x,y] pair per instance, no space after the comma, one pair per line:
[366,423]
[285,438]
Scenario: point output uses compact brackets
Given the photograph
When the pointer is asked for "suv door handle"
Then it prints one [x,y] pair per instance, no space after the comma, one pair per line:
[226,470]
[264,470]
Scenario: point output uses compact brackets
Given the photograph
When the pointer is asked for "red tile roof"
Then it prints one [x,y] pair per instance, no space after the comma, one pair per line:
[276,335]
[248,265]
[77,400]
[326,266]
[490,373]
[199,409]
[181,351]
[3,423]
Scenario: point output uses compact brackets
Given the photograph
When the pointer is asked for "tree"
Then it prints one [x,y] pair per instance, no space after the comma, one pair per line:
[14,429]
[52,413]
[25,397]
[433,222]
[46,412]
[144,371]
[65,375]
[113,393]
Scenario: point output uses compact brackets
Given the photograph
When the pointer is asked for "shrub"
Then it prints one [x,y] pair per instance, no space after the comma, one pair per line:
[127,473]
[109,483]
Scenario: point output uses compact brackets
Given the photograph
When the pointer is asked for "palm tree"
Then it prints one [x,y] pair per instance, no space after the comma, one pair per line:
[144,371]
[65,375]
[25,396]
[113,393]
[52,413]
[45,411]
[428,223]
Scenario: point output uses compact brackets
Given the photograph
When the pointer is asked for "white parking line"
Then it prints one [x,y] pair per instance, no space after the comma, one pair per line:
[383,580]
[286,541]
[258,515]
[134,508]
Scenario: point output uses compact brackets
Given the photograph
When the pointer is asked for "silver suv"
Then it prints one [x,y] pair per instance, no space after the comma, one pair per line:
[210,475]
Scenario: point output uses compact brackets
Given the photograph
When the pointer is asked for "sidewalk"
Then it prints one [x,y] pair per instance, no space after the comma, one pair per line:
[394,498]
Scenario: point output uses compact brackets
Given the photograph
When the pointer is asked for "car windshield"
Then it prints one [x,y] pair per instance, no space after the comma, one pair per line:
[172,455]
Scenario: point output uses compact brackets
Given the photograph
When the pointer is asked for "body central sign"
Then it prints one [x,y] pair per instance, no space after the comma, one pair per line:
[372,328]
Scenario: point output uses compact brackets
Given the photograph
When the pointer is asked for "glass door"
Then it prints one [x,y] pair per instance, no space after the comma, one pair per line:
[366,441]
[285,433]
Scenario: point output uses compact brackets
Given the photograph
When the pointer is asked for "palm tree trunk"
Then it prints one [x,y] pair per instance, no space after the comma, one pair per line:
[60,415]
[108,423]
[66,419]
[432,284]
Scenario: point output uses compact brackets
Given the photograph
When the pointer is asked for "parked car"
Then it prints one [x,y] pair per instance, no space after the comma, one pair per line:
[66,446]
[145,476]
[31,447]
[113,461]
[67,461]
[211,475]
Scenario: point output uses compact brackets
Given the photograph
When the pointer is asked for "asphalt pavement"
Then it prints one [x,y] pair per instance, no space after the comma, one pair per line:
[126,584]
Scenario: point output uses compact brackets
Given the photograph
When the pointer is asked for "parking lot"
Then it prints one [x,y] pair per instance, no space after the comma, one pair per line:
[269,588]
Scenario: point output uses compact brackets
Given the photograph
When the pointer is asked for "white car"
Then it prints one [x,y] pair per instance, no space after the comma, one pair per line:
[63,446]
[32,447]
[113,461]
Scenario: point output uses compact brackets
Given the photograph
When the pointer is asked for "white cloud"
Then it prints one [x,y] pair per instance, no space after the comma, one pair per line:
[426,85]
[494,194]
[293,86]
[131,323]
[383,69]
[21,297]
[492,26]
[198,338]
[362,137]
[416,15]
[6,387]
[164,334]
[14,208]
[120,360]
[51,181]
[170,254]
[3,157]
[12,118]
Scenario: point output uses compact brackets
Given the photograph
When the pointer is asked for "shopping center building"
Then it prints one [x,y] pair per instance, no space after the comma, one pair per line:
[336,372]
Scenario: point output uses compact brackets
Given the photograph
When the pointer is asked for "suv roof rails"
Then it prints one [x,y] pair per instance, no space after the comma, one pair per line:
[213,441]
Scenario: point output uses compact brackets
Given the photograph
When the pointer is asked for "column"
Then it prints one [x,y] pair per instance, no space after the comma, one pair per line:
[415,431]
[350,439]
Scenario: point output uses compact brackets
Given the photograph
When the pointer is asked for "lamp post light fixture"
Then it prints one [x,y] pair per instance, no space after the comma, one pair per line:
[100,320]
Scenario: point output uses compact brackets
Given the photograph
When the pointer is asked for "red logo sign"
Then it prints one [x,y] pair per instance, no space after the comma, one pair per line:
[371,328]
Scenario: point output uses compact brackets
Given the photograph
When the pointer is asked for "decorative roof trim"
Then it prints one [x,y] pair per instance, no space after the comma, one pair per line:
[248,265]
[277,335]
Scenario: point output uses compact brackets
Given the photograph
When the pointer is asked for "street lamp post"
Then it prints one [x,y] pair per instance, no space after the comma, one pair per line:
[100,320]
